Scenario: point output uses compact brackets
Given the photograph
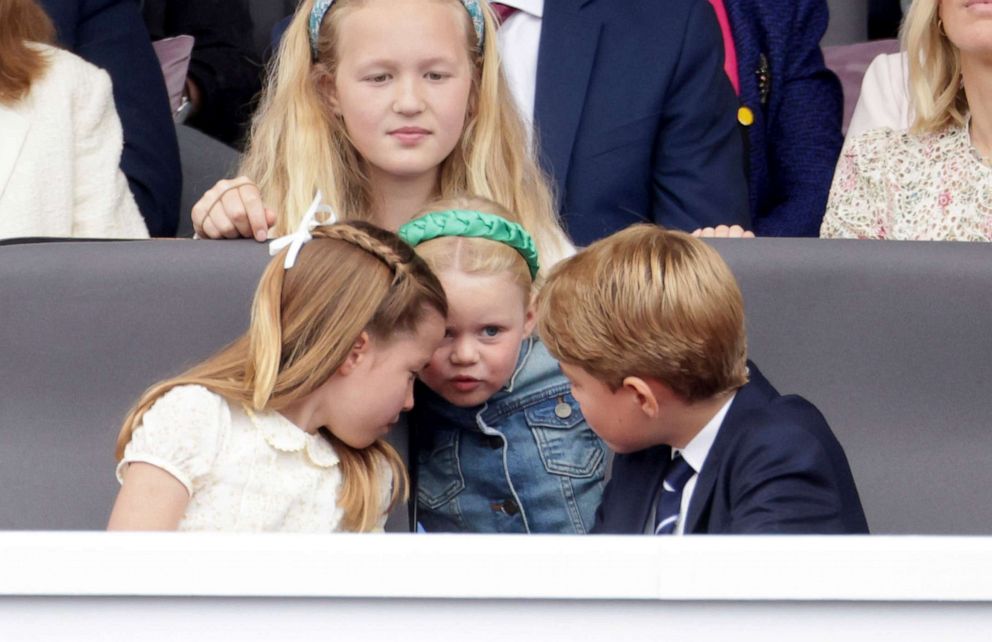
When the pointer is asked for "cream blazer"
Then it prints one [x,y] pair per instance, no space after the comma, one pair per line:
[60,152]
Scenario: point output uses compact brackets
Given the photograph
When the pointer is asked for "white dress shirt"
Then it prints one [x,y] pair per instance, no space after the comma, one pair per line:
[519,39]
[694,454]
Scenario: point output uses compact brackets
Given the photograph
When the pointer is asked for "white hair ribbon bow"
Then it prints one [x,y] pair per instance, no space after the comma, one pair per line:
[302,234]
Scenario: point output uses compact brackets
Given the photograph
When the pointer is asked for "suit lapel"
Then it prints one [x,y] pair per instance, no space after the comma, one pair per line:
[702,496]
[646,470]
[13,132]
[752,61]
[755,393]
[569,38]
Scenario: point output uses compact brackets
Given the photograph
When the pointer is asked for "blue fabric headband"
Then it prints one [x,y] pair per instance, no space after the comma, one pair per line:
[320,8]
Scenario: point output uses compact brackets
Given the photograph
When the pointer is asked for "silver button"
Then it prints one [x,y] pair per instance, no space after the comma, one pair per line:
[563,410]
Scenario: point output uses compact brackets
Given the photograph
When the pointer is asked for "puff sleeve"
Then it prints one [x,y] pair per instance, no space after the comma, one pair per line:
[181,433]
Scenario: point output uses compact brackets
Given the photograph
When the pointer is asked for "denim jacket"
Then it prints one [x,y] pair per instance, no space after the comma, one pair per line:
[525,461]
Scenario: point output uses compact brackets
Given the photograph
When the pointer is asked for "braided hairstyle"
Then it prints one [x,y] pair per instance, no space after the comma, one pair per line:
[350,278]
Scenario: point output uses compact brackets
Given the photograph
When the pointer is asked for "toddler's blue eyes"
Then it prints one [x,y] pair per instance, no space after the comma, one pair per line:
[490,331]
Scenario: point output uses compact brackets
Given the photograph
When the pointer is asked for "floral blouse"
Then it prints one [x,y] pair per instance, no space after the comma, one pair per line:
[898,185]
[243,471]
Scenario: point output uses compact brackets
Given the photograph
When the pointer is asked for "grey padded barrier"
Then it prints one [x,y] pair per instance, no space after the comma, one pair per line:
[84,329]
[892,340]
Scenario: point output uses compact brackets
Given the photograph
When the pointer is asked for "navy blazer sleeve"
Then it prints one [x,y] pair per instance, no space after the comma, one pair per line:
[803,137]
[111,35]
[698,174]
[789,475]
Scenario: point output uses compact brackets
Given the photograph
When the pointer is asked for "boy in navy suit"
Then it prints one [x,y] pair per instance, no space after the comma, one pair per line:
[648,325]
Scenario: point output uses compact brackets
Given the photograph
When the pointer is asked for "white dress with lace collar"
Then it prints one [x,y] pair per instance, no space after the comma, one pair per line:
[243,471]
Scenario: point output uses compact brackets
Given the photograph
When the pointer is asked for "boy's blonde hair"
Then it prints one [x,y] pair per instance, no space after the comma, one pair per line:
[475,255]
[297,145]
[304,323]
[935,90]
[648,302]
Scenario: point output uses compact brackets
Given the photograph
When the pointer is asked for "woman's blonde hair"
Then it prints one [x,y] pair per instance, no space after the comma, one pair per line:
[475,255]
[298,145]
[935,90]
[352,277]
[22,22]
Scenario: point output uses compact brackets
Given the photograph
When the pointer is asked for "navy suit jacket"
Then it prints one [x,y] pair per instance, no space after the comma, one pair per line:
[796,137]
[111,35]
[635,118]
[774,467]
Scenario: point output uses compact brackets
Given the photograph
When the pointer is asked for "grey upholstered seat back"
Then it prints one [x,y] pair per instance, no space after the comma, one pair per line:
[893,342]
[848,22]
[205,161]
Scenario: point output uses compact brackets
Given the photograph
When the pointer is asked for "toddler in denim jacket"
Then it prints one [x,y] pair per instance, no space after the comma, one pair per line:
[501,444]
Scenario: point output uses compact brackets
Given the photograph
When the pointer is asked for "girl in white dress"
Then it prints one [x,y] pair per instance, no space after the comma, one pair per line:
[281,430]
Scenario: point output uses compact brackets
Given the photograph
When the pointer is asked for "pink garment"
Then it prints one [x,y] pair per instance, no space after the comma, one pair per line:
[502,11]
[730,59]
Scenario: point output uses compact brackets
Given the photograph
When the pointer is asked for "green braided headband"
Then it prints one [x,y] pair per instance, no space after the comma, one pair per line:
[472,223]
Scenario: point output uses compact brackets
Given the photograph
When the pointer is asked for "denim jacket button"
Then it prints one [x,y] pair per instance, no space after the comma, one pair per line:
[563,410]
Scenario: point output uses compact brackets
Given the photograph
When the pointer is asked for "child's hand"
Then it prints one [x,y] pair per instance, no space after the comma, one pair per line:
[722,231]
[231,209]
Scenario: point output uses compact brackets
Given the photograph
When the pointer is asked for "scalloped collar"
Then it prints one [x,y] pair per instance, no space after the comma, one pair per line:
[285,436]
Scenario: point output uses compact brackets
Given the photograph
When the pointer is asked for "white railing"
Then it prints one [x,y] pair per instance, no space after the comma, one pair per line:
[169,586]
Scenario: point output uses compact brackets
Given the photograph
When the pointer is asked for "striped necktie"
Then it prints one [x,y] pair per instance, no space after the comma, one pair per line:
[670,500]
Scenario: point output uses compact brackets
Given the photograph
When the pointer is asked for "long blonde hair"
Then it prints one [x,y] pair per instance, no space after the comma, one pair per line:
[935,90]
[22,22]
[350,278]
[297,145]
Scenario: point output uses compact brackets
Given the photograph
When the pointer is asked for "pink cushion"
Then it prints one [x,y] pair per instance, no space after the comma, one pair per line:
[850,62]
[173,56]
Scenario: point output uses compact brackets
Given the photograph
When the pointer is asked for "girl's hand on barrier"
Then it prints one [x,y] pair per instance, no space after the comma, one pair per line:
[232,209]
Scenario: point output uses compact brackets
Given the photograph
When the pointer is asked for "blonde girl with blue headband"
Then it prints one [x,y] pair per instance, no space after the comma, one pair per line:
[501,443]
[383,105]
[282,430]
